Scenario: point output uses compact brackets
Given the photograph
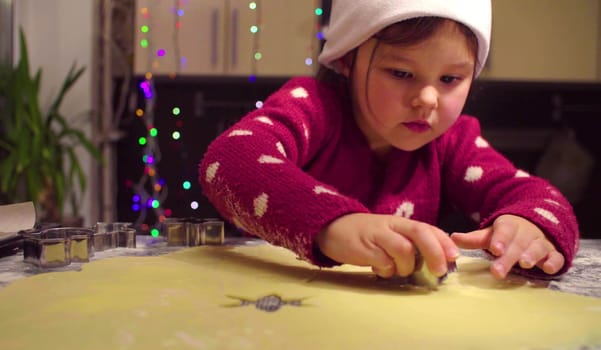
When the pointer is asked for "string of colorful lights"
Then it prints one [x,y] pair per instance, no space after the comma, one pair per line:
[255,30]
[150,191]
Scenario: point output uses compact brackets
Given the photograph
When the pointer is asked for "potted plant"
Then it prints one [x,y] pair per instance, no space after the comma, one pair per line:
[38,161]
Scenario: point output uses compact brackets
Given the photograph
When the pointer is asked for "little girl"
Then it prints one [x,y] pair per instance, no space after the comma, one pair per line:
[357,165]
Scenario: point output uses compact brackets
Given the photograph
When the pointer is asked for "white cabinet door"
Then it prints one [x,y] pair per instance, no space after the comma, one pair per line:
[189,42]
[214,37]
[556,40]
[286,38]
[202,37]
[238,39]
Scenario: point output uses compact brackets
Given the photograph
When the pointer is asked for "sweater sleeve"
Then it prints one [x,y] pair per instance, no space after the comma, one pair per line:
[253,172]
[483,184]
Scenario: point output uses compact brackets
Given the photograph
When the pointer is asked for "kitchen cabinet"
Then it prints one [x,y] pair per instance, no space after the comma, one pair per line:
[552,40]
[214,37]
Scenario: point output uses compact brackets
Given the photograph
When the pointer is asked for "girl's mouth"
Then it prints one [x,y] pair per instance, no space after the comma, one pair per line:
[418,127]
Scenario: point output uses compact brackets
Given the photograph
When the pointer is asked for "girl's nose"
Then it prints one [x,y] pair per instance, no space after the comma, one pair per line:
[426,98]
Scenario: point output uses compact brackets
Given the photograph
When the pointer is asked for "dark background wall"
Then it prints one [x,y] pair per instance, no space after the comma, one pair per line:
[550,129]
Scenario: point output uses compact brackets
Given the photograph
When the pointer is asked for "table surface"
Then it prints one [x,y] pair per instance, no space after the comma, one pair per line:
[582,279]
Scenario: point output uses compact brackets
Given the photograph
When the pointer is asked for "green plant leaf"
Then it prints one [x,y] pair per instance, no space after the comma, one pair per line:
[36,147]
[72,77]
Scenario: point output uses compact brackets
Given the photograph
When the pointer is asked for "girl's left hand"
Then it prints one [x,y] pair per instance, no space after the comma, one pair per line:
[513,240]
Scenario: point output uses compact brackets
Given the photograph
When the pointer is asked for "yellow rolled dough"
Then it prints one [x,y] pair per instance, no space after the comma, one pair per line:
[215,298]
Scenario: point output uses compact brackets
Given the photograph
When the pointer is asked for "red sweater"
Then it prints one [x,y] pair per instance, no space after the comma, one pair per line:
[288,169]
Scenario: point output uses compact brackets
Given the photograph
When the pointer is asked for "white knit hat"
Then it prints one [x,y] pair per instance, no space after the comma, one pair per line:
[354,21]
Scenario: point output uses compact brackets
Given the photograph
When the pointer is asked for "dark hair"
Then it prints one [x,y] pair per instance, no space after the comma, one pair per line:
[405,33]
[413,31]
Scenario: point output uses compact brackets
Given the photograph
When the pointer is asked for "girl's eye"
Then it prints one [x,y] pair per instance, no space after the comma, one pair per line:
[401,74]
[447,79]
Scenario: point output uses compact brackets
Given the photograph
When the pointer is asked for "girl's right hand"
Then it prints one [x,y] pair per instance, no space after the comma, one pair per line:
[387,243]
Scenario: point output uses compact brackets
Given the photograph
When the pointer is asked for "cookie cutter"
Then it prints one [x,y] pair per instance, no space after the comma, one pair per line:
[113,235]
[213,230]
[194,231]
[57,247]
[175,231]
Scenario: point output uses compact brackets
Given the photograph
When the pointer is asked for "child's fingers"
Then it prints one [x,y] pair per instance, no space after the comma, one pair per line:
[381,263]
[427,241]
[537,251]
[554,263]
[478,239]
[340,243]
[504,231]
[385,272]
[400,250]
[514,241]
[510,257]
[448,245]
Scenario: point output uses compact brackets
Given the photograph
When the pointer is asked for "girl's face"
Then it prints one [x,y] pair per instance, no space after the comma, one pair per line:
[406,96]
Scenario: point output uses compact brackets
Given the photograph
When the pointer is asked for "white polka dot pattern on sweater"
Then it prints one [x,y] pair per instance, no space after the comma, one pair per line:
[260,204]
[299,92]
[405,210]
[547,215]
[239,132]
[473,174]
[553,191]
[265,159]
[481,142]
[264,119]
[554,202]
[211,172]
[476,217]
[521,173]
[321,189]
[281,149]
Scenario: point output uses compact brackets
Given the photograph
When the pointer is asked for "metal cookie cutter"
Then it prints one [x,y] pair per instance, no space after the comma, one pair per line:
[56,247]
[213,231]
[194,231]
[112,235]
[104,238]
[80,243]
[175,230]
[125,234]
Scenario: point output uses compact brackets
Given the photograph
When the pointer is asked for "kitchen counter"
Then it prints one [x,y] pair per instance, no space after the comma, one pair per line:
[582,279]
